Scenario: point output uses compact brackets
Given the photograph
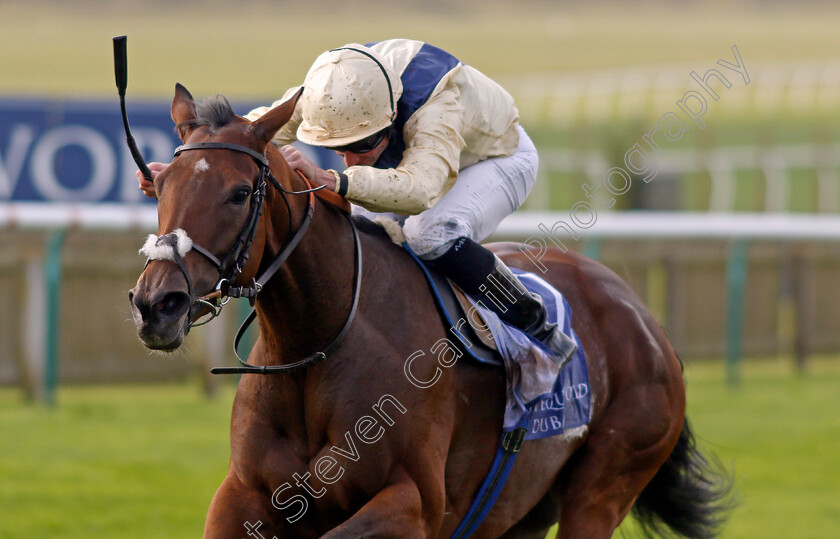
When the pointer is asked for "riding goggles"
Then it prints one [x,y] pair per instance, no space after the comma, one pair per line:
[364,145]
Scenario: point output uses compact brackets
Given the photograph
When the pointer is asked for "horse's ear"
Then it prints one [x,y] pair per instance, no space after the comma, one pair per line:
[269,123]
[183,109]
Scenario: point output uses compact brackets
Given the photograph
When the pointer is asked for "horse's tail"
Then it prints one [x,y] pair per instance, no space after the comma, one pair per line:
[688,494]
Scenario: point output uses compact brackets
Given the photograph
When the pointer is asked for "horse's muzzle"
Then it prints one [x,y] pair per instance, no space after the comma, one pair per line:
[160,317]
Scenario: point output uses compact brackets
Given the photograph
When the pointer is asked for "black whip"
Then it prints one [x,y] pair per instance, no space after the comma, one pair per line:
[121,72]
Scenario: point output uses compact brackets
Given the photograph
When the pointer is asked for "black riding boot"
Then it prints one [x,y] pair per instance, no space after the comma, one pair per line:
[481,274]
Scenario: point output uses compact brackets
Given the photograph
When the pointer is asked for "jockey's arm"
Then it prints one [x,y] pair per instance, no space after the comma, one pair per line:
[429,164]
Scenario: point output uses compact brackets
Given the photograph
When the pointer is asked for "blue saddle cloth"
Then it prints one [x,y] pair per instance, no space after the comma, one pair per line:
[552,393]
[547,394]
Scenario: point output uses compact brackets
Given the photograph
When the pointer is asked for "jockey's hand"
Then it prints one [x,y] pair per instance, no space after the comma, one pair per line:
[298,161]
[146,186]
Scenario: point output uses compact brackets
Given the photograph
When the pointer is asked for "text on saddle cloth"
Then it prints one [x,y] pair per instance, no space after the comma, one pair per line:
[552,391]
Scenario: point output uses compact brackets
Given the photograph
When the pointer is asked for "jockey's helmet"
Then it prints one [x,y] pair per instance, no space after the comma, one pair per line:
[349,93]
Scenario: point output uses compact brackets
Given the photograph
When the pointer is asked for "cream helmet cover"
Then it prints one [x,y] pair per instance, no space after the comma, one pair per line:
[348,96]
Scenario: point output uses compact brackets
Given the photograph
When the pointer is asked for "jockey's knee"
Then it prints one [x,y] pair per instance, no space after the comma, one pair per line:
[429,238]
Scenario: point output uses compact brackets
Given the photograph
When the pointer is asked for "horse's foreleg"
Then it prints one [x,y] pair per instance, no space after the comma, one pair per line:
[234,510]
[396,511]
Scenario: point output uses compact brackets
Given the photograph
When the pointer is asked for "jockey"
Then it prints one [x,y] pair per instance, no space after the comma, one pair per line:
[431,143]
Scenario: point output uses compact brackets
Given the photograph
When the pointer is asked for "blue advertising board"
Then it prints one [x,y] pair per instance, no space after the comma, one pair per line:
[75,151]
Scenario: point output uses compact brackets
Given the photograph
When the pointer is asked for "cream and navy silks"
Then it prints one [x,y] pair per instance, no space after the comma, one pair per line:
[451,119]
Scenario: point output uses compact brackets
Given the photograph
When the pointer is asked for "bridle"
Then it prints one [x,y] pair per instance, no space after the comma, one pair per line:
[231,265]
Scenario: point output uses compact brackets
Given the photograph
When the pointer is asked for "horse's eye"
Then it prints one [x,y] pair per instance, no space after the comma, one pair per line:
[241,195]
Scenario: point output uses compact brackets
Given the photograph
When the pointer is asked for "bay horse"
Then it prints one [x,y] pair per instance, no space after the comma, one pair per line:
[347,446]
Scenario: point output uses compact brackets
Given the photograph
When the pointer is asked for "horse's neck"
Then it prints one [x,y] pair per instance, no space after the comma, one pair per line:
[304,305]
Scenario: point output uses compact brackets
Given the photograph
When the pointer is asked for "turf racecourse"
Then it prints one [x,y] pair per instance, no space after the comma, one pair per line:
[144,461]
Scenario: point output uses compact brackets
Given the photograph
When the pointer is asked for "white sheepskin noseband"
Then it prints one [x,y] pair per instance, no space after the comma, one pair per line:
[156,248]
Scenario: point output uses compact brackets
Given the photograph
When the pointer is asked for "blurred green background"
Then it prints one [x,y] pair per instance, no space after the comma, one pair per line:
[590,78]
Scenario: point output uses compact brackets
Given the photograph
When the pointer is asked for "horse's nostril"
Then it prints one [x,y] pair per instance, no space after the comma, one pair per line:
[139,309]
[173,304]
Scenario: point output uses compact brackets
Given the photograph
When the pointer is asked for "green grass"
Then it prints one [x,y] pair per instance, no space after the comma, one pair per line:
[144,461]
[781,433]
[111,462]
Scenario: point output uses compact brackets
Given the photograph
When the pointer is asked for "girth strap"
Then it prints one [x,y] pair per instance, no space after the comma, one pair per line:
[509,447]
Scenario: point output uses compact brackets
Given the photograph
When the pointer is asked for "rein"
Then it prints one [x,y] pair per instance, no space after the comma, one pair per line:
[247,368]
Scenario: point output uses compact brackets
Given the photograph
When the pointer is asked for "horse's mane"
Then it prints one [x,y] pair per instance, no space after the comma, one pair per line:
[213,112]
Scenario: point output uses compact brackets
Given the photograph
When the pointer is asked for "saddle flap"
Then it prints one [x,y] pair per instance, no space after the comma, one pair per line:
[459,314]
[473,316]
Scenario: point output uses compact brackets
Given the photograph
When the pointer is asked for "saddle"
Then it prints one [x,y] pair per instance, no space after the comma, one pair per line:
[462,319]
